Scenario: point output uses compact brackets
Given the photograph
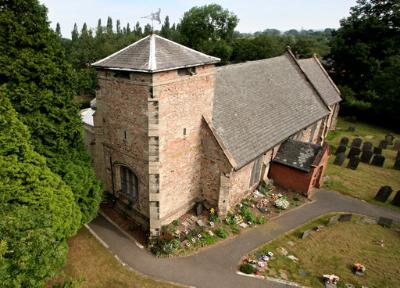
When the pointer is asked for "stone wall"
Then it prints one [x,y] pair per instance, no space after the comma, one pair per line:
[121,124]
[183,100]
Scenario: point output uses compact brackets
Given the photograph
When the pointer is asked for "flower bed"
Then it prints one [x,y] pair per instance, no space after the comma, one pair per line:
[191,232]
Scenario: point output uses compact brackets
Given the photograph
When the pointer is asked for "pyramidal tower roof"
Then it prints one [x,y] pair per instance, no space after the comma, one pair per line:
[153,54]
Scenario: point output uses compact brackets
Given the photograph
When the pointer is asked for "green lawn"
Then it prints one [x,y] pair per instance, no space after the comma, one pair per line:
[364,182]
[90,265]
[333,250]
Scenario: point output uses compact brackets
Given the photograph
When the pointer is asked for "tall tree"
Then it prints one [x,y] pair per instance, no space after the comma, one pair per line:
[41,85]
[99,29]
[37,209]
[75,33]
[147,29]
[58,30]
[128,29]
[109,27]
[364,53]
[138,30]
[119,31]
[166,29]
[209,29]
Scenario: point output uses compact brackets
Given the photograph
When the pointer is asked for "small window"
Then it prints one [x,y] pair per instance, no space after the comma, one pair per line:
[122,74]
[184,131]
[187,71]
[129,182]
[256,172]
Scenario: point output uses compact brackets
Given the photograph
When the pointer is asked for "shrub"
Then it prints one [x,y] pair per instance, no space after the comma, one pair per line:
[164,247]
[260,220]
[207,239]
[247,268]
[221,232]
[235,229]
[230,220]
[248,215]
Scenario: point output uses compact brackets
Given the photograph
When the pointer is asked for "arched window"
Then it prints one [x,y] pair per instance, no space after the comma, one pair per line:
[129,182]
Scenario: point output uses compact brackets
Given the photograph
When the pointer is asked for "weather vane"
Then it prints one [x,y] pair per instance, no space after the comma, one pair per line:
[154,17]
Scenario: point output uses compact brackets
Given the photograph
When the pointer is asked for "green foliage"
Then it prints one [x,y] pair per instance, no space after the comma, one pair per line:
[207,239]
[248,215]
[247,268]
[365,58]
[221,232]
[209,29]
[164,246]
[37,209]
[235,229]
[40,83]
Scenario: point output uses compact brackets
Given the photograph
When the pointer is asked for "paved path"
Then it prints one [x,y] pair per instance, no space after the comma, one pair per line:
[216,266]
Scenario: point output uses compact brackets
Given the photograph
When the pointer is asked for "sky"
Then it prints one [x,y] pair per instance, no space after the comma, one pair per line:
[254,15]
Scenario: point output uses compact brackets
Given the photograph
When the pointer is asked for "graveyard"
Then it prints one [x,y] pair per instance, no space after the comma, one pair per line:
[365,166]
[333,244]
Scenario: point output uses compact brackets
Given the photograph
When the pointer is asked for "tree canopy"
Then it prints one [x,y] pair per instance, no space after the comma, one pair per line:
[40,84]
[37,209]
[365,59]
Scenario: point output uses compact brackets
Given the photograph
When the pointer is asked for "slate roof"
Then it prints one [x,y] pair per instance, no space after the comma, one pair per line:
[321,80]
[259,104]
[298,155]
[153,54]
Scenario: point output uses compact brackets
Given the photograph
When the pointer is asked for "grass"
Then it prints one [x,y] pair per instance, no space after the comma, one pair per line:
[334,250]
[364,182]
[90,264]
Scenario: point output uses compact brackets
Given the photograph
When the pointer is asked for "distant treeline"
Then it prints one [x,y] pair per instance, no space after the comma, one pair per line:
[87,45]
[362,56]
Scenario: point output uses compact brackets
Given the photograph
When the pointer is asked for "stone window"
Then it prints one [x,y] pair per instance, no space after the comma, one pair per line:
[129,182]
[187,71]
[122,74]
[256,172]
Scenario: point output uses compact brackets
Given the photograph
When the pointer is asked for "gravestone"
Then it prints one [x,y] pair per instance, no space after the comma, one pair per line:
[351,129]
[345,217]
[344,141]
[396,199]
[367,146]
[389,138]
[354,151]
[356,142]
[333,220]
[353,162]
[340,149]
[305,234]
[378,160]
[377,150]
[383,144]
[396,164]
[199,208]
[366,156]
[397,145]
[339,159]
[383,193]
[385,222]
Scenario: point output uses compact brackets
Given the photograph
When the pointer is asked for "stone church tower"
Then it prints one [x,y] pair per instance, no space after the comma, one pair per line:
[151,100]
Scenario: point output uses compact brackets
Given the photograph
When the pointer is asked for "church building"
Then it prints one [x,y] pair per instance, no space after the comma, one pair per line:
[170,129]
